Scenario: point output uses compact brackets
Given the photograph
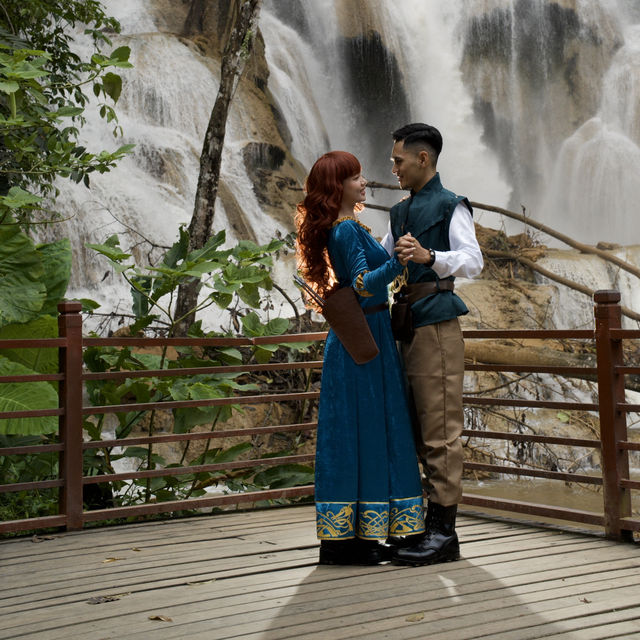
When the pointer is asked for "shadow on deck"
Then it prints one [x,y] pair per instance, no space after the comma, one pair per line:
[254,575]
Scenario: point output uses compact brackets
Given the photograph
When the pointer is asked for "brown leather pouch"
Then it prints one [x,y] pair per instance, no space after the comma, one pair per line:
[402,318]
[345,316]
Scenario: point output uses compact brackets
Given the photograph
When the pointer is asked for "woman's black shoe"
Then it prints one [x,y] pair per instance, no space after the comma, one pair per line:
[354,551]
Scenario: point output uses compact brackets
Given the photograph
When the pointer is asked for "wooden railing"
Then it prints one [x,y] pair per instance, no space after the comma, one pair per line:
[610,371]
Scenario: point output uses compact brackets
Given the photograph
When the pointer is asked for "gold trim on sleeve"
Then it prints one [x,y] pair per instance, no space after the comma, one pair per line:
[400,281]
[359,286]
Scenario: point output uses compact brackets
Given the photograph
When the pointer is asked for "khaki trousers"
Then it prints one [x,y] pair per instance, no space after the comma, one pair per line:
[434,363]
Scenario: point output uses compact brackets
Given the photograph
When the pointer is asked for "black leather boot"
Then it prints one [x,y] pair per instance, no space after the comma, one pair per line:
[439,543]
[354,551]
[401,542]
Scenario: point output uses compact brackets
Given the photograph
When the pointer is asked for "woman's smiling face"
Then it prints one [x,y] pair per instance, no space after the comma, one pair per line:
[353,190]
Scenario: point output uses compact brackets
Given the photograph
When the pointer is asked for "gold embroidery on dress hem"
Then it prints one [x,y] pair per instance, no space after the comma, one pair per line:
[406,521]
[373,524]
[375,520]
[335,525]
[360,289]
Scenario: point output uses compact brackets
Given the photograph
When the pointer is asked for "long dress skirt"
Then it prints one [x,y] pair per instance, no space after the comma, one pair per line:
[367,475]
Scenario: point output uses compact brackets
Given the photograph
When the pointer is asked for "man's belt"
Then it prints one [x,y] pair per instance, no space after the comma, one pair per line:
[419,290]
[378,307]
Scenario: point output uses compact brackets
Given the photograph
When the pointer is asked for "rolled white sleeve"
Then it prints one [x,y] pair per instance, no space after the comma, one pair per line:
[465,257]
[387,241]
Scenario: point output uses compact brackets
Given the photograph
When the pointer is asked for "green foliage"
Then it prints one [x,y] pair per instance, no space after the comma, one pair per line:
[38,360]
[26,468]
[22,292]
[25,396]
[42,101]
[285,475]
[32,278]
[240,273]
[230,277]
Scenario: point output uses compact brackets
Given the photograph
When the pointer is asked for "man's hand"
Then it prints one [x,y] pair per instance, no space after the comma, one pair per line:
[408,248]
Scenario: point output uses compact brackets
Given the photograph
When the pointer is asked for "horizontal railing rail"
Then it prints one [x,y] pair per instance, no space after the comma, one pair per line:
[613,444]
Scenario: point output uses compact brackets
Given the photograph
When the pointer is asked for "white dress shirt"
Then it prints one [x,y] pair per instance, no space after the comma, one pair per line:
[464,259]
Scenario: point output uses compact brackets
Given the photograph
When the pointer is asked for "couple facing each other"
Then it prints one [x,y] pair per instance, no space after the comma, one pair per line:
[368,487]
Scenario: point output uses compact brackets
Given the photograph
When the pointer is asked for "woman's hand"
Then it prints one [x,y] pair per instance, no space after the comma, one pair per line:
[409,249]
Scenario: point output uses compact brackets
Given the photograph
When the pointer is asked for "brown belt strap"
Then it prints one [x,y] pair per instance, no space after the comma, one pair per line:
[420,290]
[376,308]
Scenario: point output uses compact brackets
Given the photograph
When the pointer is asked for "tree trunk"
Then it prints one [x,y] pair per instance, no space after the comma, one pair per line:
[237,50]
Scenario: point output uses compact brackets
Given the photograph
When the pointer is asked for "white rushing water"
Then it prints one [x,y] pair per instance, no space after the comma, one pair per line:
[596,179]
[538,103]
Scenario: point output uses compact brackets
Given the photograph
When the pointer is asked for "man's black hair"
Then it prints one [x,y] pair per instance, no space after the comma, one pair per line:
[419,133]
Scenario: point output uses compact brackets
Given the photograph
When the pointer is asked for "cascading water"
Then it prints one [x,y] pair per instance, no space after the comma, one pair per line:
[549,81]
[538,102]
[596,179]
[150,193]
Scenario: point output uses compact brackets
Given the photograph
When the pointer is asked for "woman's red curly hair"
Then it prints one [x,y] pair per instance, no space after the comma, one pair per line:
[316,214]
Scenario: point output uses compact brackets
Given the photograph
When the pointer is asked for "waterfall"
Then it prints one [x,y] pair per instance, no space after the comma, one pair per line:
[164,110]
[552,85]
[426,36]
[596,178]
[538,102]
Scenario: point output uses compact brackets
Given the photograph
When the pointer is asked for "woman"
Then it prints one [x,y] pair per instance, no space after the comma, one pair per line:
[367,479]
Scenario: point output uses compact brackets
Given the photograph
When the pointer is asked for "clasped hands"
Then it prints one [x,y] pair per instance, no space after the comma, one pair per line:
[408,248]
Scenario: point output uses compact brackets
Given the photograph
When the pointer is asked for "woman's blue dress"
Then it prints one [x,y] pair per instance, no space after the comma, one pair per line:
[367,480]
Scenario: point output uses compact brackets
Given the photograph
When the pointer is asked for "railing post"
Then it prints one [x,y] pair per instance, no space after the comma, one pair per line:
[613,423]
[70,425]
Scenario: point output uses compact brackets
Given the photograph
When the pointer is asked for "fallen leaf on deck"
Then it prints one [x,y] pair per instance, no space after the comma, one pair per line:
[585,600]
[37,538]
[112,560]
[135,549]
[161,618]
[415,617]
[111,598]
[199,582]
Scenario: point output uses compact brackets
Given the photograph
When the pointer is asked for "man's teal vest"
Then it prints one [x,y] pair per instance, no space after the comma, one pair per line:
[427,215]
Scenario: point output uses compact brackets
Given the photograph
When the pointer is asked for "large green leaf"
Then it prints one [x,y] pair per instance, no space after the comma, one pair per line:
[285,475]
[56,262]
[111,249]
[25,396]
[22,294]
[17,197]
[186,419]
[40,360]
[277,326]
[178,251]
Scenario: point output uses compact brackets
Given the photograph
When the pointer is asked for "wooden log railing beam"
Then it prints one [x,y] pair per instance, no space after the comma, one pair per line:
[491,253]
[584,248]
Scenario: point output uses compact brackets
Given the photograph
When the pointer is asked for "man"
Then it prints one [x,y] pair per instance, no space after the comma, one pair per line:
[434,227]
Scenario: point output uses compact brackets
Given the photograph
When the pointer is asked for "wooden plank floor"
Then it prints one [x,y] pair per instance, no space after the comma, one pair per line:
[254,575]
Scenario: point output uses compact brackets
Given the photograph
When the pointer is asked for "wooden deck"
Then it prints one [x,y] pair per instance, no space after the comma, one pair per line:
[254,575]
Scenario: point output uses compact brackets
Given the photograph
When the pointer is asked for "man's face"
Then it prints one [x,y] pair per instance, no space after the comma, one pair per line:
[408,167]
